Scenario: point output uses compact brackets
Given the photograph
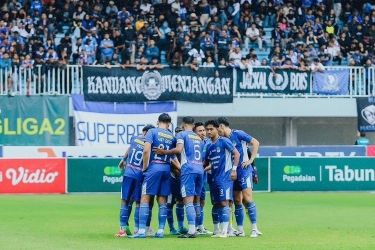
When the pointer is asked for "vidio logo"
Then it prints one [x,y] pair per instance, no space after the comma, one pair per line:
[112,174]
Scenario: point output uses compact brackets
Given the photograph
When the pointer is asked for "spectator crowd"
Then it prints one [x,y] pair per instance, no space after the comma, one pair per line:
[305,34]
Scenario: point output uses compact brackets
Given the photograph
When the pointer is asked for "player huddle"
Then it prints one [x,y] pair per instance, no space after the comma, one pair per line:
[176,168]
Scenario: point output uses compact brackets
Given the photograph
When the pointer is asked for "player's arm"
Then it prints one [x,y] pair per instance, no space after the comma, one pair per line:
[255,144]
[177,150]
[122,165]
[206,165]
[236,154]
[146,156]
[176,164]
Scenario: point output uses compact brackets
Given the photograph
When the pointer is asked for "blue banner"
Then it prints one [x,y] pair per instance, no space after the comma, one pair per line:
[331,82]
[312,151]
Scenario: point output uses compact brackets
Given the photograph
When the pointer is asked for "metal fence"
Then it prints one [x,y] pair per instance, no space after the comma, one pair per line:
[68,80]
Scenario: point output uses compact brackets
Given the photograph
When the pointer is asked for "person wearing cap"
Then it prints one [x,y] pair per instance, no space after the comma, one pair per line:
[193,22]
[112,10]
[317,66]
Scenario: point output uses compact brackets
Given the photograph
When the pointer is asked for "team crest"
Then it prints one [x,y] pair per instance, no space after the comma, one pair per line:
[368,114]
[280,83]
[234,143]
[218,150]
[152,85]
[331,82]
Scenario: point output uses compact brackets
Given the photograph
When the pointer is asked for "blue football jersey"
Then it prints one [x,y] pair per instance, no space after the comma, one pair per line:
[135,158]
[240,140]
[160,138]
[219,154]
[192,153]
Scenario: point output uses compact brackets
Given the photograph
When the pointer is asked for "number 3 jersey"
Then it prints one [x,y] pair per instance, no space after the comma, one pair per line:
[135,158]
[192,153]
[219,154]
[160,138]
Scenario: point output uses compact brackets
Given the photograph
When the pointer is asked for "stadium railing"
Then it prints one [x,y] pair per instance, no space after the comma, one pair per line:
[68,80]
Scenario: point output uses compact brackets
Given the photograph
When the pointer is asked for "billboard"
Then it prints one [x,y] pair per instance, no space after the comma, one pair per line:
[35,176]
[262,164]
[207,85]
[34,120]
[99,175]
[370,150]
[108,124]
[322,174]
[312,151]
[64,152]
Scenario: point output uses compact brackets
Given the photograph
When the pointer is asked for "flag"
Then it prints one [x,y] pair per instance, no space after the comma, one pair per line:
[331,82]
[366,114]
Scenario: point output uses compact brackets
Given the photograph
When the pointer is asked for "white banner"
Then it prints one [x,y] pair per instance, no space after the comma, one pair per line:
[109,124]
[64,151]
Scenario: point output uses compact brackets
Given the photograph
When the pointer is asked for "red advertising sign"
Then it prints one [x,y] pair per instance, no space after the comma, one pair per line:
[35,176]
[370,150]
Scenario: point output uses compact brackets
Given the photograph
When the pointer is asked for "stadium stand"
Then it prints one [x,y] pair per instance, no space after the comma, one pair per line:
[39,39]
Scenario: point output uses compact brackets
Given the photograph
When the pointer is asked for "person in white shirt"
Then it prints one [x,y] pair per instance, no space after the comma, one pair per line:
[334,52]
[209,63]
[145,6]
[245,64]
[252,35]
[176,7]
[317,66]
[254,61]
[236,55]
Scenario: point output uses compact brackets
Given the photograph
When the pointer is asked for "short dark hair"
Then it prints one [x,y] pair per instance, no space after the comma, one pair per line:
[198,124]
[178,129]
[165,118]
[147,128]
[188,120]
[223,120]
[211,122]
[362,134]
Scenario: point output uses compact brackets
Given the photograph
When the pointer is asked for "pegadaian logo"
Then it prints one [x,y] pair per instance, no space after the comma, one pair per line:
[112,174]
[293,174]
[152,85]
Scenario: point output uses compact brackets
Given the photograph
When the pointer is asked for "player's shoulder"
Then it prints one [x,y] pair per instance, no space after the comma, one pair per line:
[223,139]
[238,131]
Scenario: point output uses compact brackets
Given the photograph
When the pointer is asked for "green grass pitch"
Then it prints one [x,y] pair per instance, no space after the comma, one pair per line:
[287,221]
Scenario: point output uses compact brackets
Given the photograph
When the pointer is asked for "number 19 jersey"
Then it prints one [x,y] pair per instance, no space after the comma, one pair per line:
[135,158]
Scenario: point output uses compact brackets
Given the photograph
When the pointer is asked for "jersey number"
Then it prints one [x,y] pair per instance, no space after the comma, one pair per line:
[197,152]
[137,156]
[160,157]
